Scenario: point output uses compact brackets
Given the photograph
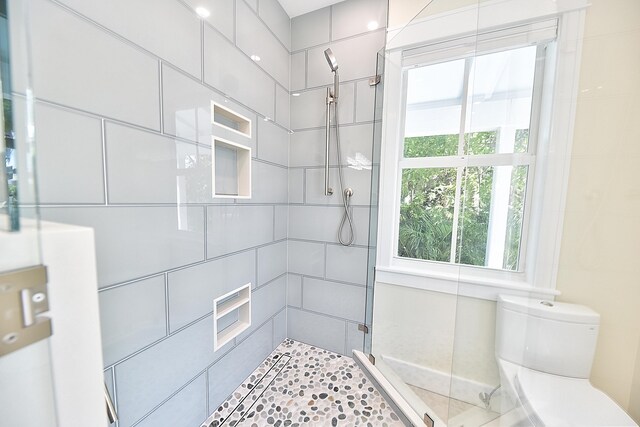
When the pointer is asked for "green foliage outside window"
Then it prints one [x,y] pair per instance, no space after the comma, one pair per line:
[428,199]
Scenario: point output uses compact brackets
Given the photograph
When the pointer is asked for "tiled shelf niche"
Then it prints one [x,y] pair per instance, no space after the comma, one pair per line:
[229,119]
[236,302]
[231,172]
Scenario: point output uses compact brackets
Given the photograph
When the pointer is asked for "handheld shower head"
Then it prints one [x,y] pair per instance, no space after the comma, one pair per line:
[333,64]
[331,59]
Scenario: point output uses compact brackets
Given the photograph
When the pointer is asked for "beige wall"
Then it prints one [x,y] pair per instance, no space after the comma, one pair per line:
[600,257]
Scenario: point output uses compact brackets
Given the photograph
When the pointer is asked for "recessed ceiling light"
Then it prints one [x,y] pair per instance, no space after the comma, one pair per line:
[256,58]
[372,25]
[203,12]
[267,119]
[295,94]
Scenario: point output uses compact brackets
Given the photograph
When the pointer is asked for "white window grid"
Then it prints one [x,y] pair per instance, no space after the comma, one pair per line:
[462,161]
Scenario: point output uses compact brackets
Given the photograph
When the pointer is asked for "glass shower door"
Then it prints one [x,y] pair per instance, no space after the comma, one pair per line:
[374,207]
[420,114]
[524,94]
[26,390]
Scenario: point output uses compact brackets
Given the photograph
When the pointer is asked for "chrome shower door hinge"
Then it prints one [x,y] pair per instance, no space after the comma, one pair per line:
[363,328]
[23,298]
[428,421]
[373,81]
[372,359]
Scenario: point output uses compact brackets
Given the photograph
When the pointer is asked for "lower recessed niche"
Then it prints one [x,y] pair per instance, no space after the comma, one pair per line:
[231,315]
[231,172]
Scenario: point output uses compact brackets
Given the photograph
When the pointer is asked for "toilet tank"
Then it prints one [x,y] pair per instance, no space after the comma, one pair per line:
[553,337]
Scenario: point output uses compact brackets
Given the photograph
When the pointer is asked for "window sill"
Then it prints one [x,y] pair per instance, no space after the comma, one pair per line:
[462,284]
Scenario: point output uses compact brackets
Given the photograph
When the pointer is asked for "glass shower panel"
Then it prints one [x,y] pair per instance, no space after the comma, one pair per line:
[374,207]
[27,395]
[544,208]
[539,93]
[19,222]
[494,210]
[413,316]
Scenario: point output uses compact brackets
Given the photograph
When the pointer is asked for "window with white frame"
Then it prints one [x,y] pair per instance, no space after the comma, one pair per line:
[466,163]
[477,131]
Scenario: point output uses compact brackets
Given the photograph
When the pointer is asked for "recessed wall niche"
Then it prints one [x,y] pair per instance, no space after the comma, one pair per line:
[236,303]
[231,172]
[229,119]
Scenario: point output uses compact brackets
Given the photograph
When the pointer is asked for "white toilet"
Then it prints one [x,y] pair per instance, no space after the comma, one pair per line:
[545,351]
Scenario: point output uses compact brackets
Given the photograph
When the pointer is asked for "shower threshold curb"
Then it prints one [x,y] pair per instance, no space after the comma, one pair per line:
[399,404]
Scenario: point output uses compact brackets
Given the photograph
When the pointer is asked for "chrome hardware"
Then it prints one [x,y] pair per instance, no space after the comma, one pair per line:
[374,81]
[486,397]
[328,191]
[372,359]
[363,328]
[111,409]
[23,298]
[428,421]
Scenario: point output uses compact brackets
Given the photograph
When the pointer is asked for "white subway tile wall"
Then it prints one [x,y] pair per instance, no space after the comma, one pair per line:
[307,258]
[124,129]
[328,282]
[192,290]
[311,29]
[272,262]
[185,408]
[84,182]
[273,143]
[256,41]
[277,20]
[78,64]
[132,317]
[221,15]
[186,106]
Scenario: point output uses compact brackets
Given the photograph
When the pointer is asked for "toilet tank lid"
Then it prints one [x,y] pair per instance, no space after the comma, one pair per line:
[550,309]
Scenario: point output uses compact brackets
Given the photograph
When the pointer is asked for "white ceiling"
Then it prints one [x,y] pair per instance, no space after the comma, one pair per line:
[300,7]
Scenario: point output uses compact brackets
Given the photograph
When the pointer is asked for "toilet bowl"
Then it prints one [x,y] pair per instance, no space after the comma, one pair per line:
[545,352]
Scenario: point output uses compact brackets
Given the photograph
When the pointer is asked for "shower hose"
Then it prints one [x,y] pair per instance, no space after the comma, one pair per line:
[346,193]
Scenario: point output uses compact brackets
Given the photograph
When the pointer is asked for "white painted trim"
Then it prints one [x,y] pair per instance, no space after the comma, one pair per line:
[562,115]
[389,155]
[503,159]
[240,302]
[473,286]
[551,168]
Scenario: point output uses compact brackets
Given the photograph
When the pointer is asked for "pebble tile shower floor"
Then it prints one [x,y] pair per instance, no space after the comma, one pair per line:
[302,385]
